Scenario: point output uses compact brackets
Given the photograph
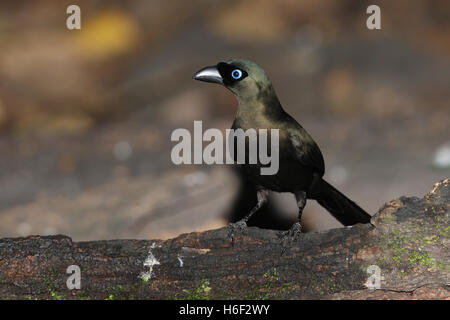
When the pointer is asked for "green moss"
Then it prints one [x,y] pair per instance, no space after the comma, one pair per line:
[49,279]
[264,291]
[120,293]
[423,258]
[443,266]
[445,233]
[409,247]
[83,296]
[271,288]
[201,292]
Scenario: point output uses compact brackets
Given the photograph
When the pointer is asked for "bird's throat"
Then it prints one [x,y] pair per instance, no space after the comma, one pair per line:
[263,107]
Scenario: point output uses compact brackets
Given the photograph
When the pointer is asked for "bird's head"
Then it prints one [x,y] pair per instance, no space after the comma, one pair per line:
[242,77]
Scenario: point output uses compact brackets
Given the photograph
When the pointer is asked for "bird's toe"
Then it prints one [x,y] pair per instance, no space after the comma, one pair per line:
[292,235]
[236,227]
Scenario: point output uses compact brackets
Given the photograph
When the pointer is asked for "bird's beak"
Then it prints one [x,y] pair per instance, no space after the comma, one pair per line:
[209,74]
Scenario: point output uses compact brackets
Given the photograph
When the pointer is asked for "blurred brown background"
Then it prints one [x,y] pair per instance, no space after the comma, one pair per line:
[86,115]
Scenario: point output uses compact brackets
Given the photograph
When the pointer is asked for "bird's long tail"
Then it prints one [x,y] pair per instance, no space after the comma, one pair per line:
[342,208]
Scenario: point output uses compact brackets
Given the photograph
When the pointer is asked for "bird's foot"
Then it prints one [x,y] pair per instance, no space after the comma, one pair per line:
[236,227]
[292,235]
[295,231]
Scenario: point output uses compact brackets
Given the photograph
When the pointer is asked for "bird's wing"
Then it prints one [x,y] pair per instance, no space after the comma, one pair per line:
[306,150]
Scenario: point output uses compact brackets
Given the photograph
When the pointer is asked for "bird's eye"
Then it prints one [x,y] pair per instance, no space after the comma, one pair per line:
[236,74]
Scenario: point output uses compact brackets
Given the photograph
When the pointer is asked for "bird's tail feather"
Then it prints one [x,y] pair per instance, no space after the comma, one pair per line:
[342,208]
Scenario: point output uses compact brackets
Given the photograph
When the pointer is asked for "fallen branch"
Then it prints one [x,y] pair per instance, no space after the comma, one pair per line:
[408,243]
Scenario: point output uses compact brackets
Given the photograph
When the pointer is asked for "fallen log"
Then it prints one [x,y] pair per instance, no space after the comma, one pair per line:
[404,254]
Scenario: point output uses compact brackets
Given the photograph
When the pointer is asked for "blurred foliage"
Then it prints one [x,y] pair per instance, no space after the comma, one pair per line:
[109,33]
[55,80]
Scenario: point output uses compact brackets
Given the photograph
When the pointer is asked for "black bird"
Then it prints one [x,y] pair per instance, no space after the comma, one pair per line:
[301,165]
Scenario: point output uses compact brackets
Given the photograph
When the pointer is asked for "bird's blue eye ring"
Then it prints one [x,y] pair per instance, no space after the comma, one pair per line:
[236,74]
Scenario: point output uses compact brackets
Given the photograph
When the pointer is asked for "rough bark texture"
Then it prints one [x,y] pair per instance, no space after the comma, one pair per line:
[409,242]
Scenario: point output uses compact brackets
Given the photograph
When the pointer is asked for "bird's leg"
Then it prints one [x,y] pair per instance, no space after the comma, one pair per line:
[261,199]
[296,228]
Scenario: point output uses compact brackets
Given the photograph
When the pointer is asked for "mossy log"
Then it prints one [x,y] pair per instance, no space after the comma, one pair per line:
[408,241]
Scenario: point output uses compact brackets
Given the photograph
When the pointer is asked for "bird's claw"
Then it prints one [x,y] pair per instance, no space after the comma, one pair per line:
[235,227]
[292,235]
[295,230]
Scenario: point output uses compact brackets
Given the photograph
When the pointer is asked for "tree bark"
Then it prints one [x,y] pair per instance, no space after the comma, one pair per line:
[408,242]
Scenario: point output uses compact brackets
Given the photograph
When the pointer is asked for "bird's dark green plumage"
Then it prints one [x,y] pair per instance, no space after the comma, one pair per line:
[301,164]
